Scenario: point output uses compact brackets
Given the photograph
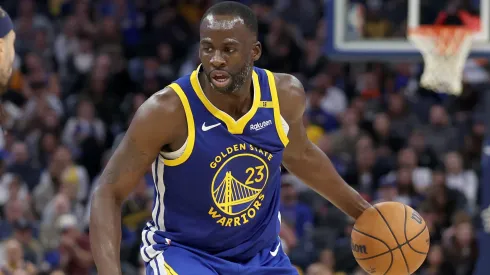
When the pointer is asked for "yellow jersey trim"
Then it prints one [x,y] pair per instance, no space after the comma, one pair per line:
[277,110]
[169,269]
[234,126]
[191,129]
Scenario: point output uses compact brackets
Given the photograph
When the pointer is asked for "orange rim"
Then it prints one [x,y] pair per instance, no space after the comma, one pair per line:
[445,36]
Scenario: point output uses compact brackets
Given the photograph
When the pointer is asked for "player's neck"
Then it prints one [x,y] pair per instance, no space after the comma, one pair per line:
[235,104]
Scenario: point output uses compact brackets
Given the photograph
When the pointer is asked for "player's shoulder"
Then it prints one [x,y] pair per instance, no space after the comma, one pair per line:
[291,94]
[164,102]
[163,108]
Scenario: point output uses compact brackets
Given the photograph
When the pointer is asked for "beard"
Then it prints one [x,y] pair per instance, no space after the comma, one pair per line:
[236,79]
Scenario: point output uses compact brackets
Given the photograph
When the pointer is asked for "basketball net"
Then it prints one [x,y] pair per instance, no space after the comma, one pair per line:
[445,50]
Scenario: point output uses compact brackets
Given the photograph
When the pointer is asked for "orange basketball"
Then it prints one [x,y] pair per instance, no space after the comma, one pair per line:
[390,238]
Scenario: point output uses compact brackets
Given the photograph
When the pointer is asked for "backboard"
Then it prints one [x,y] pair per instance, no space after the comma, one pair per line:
[377,29]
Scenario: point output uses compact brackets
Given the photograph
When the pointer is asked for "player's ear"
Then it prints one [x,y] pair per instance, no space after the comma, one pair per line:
[256,51]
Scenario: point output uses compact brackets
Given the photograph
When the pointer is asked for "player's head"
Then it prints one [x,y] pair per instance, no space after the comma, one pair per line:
[228,45]
[7,50]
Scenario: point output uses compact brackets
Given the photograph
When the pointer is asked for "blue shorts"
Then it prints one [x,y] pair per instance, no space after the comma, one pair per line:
[179,260]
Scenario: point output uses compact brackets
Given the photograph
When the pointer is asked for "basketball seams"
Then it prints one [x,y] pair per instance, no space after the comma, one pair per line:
[383,242]
[390,250]
[418,234]
[396,240]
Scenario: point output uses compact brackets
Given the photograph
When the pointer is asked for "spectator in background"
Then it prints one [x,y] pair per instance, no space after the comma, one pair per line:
[74,248]
[334,100]
[14,259]
[317,115]
[50,181]
[24,233]
[21,165]
[294,213]
[14,210]
[460,245]
[465,181]
[344,139]
[440,135]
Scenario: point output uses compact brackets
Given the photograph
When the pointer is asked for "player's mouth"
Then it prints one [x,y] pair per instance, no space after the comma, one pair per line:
[220,79]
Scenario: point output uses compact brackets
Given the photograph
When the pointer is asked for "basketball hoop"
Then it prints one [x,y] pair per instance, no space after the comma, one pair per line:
[445,50]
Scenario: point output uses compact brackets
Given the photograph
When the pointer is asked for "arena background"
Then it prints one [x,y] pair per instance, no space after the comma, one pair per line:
[83,68]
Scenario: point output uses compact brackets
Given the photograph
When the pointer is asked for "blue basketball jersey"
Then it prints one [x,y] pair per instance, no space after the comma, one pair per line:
[221,195]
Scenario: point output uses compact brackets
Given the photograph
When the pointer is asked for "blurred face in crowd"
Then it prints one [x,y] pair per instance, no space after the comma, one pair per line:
[382,124]
[49,143]
[109,26]
[61,204]
[364,143]
[14,210]
[371,82]
[14,187]
[41,39]
[318,269]
[32,62]
[438,116]
[61,159]
[20,153]
[288,194]
[438,178]
[417,141]
[322,80]
[165,52]
[388,192]
[311,47]
[464,233]
[404,177]
[350,118]
[26,8]
[435,255]
[227,50]
[366,158]
[325,144]
[14,253]
[453,163]
[7,55]
[86,110]
[70,26]
[316,97]
[327,258]
[396,104]
[407,158]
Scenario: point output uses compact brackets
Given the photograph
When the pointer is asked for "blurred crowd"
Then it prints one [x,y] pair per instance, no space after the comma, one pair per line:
[84,67]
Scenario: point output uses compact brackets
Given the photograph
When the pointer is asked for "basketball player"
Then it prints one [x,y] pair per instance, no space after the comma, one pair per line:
[216,138]
[7,55]
[7,50]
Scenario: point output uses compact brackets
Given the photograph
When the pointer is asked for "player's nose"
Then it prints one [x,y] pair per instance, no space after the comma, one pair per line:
[217,60]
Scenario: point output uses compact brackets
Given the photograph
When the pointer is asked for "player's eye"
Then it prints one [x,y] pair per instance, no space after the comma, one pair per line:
[230,50]
[207,49]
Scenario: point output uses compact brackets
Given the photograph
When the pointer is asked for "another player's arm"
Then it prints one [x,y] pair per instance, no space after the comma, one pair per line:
[306,160]
[155,124]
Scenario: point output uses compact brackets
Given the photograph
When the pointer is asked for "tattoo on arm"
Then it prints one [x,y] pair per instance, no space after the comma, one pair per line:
[126,164]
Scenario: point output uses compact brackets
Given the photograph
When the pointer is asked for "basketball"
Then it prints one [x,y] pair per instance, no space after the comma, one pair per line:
[390,238]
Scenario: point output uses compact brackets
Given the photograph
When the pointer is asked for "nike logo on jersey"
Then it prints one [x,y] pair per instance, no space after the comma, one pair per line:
[274,253]
[207,128]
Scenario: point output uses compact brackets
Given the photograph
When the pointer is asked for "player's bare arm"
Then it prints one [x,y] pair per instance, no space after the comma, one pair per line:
[159,122]
[306,160]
